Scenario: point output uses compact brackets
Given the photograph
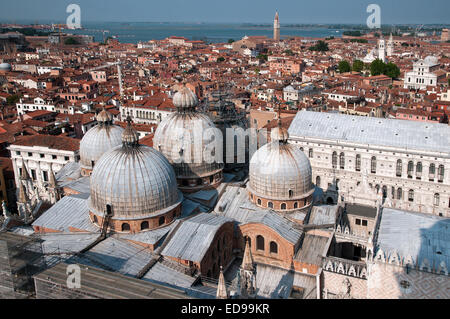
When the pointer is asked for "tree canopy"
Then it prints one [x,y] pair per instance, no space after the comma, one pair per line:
[358,65]
[344,67]
[321,46]
[379,67]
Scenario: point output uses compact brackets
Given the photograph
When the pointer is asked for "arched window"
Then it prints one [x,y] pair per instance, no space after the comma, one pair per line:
[334,160]
[318,181]
[161,220]
[260,242]
[95,219]
[358,163]
[377,187]
[399,168]
[310,153]
[270,204]
[291,193]
[259,201]
[125,227]
[436,199]
[419,170]
[410,169]
[301,149]
[411,195]
[273,247]
[399,193]
[373,165]
[431,172]
[441,173]
[342,160]
[384,191]
[283,206]
[295,205]
[144,225]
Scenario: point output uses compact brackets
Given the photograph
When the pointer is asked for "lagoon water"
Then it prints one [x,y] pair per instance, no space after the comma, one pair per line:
[213,33]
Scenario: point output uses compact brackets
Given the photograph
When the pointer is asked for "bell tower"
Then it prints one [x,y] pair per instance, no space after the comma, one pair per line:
[276,27]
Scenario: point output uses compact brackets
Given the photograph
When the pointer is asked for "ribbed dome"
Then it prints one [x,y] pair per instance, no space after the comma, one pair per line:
[280,171]
[137,181]
[183,138]
[98,140]
[186,139]
[185,99]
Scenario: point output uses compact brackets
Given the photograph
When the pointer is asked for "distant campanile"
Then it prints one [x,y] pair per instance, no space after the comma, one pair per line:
[276,27]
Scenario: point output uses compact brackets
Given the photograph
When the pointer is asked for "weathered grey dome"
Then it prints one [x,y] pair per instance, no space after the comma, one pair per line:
[137,181]
[98,140]
[280,171]
[187,140]
[185,99]
[5,67]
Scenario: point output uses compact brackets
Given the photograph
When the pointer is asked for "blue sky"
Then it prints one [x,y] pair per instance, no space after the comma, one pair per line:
[233,11]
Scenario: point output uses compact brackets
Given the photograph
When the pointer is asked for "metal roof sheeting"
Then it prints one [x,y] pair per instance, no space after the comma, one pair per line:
[371,130]
[194,237]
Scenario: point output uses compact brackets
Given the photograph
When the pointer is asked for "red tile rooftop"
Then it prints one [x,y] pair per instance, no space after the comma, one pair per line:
[50,141]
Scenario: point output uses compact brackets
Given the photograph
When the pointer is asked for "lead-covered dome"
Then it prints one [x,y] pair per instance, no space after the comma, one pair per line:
[192,144]
[280,175]
[136,181]
[98,140]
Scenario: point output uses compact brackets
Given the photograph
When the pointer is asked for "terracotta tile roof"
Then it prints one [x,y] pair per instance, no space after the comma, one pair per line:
[50,141]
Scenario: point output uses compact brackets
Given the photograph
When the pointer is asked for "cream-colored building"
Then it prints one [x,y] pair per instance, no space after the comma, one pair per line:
[406,162]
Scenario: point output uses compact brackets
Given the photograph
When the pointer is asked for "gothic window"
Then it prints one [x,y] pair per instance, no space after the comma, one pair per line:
[410,169]
[318,181]
[144,225]
[273,247]
[283,206]
[384,191]
[342,160]
[125,227]
[419,170]
[436,199]
[411,195]
[310,153]
[334,160]
[399,168]
[399,193]
[393,192]
[373,165]
[260,242]
[358,163]
[441,173]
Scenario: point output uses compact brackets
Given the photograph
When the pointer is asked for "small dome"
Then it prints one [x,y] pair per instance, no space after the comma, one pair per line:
[130,137]
[137,181]
[5,67]
[280,171]
[185,99]
[97,141]
[104,116]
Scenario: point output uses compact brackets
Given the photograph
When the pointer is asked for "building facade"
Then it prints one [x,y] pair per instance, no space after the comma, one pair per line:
[412,172]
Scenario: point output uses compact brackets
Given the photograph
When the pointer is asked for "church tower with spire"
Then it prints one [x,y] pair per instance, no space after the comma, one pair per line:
[276,27]
[390,46]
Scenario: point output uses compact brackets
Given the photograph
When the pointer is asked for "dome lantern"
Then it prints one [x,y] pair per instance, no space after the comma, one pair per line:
[130,137]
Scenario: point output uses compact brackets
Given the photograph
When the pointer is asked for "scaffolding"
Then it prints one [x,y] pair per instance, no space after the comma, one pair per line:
[97,283]
[20,258]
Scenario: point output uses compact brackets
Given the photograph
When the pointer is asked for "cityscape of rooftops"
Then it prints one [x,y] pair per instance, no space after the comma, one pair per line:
[229,153]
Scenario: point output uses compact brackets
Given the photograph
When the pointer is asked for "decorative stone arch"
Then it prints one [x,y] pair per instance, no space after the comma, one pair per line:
[352,271]
[425,265]
[442,269]
[340,269]
[409,262]
[394,258]
[363,273]
[380,256]
[329,266]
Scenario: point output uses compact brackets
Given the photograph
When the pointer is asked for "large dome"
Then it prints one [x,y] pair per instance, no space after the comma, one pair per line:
[190,141]
[135,180]
[5,67]
[280,173]
[98,140]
